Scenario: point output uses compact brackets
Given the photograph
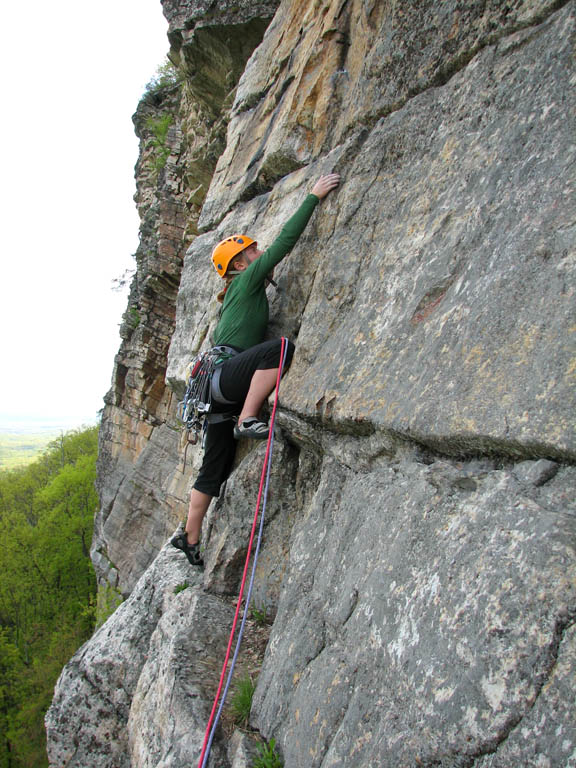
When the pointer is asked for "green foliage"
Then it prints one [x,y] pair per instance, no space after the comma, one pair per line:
[241,701]
[260,615]
[181,587]
[159,127]
[107,601]
[166,76]
[132,317]
[47,587]
[268,757]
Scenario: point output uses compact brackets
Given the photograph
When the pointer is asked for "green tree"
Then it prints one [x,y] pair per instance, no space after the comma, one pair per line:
[166,76]
[47,587]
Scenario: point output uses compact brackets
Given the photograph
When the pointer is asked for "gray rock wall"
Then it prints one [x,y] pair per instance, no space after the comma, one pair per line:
[429,293]
[137,694]
[423,618]
[419,555]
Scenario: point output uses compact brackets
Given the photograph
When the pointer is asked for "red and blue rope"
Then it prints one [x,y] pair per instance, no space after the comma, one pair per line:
[262,498]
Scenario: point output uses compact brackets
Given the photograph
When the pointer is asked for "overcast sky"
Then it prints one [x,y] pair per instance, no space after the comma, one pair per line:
[72,75]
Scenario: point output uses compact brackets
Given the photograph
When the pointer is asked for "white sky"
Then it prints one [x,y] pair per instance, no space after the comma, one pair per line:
[72,76]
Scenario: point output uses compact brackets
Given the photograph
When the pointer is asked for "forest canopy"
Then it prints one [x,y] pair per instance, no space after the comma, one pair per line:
[47,585]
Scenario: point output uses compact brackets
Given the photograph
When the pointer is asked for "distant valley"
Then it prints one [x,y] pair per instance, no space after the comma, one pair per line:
[19,448]
[21,443]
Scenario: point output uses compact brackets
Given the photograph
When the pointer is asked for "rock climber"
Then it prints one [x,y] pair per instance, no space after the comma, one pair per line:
[247,377]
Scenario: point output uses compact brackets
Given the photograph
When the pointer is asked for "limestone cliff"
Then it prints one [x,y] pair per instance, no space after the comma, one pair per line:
[419,558]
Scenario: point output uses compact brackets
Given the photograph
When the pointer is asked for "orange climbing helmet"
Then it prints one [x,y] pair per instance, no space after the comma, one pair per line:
[225,251]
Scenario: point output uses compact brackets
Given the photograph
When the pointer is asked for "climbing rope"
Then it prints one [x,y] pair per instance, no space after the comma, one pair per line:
[262,498]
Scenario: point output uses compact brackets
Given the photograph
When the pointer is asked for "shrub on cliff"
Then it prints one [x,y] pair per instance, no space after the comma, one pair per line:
[166,76]
[159,127]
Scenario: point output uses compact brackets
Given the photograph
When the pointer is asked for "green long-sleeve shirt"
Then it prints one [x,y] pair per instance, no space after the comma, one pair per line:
[244,314]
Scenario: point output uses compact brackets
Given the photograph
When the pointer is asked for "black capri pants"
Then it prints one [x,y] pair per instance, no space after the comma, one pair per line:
[220,445]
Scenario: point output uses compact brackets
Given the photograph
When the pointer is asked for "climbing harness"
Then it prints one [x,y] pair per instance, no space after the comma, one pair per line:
[202,389]
[262,498]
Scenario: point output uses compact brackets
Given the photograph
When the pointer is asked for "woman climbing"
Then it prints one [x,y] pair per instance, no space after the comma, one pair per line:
[244,380]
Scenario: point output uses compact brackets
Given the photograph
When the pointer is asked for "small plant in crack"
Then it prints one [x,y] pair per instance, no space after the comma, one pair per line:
[159,128]
[268,757]
[260,615]
[241,701]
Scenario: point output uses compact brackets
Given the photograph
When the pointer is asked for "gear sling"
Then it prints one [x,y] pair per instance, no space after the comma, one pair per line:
[202,388]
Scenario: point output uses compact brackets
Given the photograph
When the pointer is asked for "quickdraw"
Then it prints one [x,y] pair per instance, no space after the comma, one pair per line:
[198,398]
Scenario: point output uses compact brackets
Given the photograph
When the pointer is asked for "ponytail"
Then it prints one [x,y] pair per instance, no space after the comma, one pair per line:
[228,277]
[222,293]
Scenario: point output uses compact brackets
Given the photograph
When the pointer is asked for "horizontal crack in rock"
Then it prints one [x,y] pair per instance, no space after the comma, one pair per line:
[453,446]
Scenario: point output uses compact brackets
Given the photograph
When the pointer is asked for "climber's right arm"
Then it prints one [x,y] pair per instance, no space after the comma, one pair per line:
[291,231]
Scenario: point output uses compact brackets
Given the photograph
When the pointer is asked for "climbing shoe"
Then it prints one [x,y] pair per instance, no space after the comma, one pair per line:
[180,541]
[252,428]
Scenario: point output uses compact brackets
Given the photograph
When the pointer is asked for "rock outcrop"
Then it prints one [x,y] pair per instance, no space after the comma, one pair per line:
[136,438]
[419,559]
[112,698]
[141,479]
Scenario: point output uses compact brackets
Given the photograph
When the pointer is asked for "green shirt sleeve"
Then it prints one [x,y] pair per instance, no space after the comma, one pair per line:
[256,273]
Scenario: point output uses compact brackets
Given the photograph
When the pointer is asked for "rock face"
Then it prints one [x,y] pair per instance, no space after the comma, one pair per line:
[419,554]
[430,603]
[110,704]
[136,441]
